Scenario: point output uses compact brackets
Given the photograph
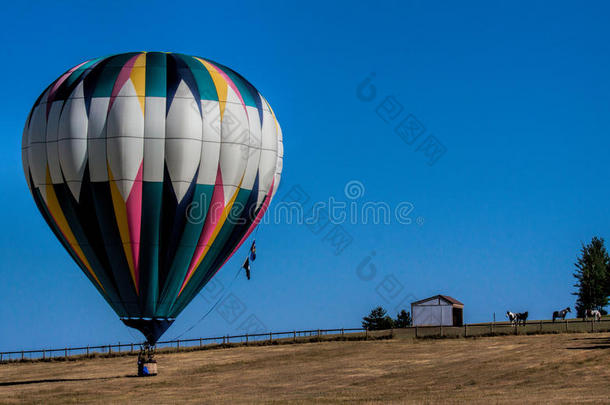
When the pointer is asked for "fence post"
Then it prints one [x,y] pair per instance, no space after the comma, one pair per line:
[22,355]
[270,337]
[43,354]
[318,333]
[465,331]
[87,350]
[66,352]
[246,339]
[109,349]
[540,327]
[119,347]
[178,345]
[131,350]
[415,330]
[342,332]
[441,329]
[566,325]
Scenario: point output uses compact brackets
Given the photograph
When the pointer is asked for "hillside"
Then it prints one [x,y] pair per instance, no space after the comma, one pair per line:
[561,367]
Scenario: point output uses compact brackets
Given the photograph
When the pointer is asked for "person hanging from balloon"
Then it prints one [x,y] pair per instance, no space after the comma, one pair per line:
[251,258]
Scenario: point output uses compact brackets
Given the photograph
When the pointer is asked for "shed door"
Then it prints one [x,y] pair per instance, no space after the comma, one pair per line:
[458,314]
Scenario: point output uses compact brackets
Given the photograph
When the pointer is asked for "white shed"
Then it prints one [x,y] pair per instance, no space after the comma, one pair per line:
[438,310]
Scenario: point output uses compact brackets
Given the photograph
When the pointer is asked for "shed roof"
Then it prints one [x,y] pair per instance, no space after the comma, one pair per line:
[443,297]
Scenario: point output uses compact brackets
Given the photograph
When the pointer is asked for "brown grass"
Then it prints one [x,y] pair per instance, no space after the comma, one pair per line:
[540,368]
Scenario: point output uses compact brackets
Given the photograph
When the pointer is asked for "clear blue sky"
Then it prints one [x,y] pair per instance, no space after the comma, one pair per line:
[518,94]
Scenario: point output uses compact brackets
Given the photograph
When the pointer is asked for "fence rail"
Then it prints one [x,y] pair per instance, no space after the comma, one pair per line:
[466,330]
[506,328]
[176,344]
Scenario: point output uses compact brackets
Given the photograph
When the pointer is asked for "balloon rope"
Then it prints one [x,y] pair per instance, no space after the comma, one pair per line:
[258,227]
[220,299]
[133,336]
[213,306]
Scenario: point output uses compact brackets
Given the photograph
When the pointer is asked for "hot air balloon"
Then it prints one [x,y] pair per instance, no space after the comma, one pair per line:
[151,169]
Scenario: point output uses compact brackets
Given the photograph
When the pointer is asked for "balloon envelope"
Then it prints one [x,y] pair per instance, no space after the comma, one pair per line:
[151,169]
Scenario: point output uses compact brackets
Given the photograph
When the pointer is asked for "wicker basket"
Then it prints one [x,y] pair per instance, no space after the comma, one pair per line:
[147,368]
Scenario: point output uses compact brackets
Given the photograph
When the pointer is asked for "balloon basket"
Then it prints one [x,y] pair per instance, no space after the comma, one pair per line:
[147,365]
[147,369]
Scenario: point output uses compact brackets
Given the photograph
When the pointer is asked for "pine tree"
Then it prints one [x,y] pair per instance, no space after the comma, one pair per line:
[403,319]
[378,319]
[592,269]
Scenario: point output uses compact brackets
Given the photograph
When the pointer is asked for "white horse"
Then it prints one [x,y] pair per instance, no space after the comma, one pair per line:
[593,313]
[512,317]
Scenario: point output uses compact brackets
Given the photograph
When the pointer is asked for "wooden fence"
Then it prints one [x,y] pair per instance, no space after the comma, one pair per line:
[470,330]
[177,344]
[505,328]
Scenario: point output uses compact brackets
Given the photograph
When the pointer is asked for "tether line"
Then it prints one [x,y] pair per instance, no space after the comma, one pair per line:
[212,308]
[225,294]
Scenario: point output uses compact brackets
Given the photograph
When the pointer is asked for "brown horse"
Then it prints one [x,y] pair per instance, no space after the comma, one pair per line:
[561,314]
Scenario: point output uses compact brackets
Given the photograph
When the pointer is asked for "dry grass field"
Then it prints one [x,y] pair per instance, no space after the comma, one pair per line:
[565,368]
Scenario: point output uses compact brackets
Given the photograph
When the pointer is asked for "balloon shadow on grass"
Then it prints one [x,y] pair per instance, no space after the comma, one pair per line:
[58,380]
